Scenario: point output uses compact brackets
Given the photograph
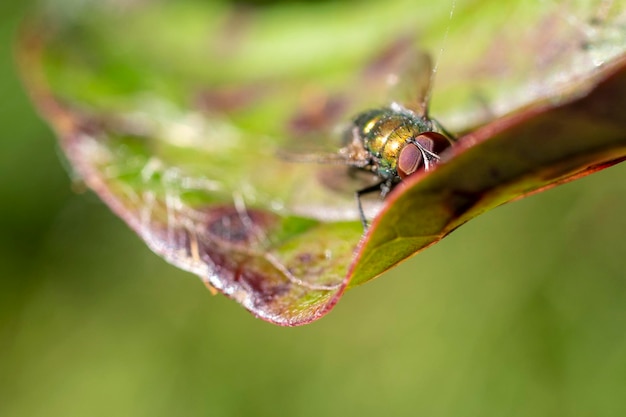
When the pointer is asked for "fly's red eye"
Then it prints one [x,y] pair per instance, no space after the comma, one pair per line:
[409,160]
[433,141]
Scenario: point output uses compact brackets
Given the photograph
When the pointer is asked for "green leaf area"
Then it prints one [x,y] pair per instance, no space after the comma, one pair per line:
[175,114]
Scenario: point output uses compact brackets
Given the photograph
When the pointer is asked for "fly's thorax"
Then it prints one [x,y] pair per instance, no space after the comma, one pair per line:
[386,138]
[367,121]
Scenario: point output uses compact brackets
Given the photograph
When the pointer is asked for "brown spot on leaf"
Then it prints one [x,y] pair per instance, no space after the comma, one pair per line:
[229,99]
[227,225]
[263,288]
[238,270]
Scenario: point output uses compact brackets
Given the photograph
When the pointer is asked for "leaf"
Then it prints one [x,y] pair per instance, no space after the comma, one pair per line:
[510,158]
[176,122]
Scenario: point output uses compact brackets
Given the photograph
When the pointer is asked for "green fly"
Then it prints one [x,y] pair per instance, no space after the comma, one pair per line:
[393,142]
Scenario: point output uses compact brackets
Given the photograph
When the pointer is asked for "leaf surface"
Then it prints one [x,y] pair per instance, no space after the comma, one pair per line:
[177,120]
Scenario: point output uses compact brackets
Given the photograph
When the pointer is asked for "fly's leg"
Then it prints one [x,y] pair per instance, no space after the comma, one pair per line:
[382,186]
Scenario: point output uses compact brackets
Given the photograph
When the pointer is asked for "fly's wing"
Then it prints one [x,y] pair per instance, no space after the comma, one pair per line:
[398,71]
[329,158]
[411,84]
[352,154]
[402,73]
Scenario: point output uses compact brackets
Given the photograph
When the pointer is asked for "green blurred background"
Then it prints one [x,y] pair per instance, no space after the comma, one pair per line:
[521,312]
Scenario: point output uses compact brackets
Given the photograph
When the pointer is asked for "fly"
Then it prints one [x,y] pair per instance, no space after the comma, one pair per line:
[392,142]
